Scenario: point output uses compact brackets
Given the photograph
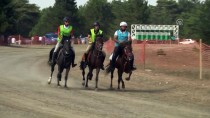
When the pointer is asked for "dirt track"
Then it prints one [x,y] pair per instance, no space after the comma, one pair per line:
[24,92]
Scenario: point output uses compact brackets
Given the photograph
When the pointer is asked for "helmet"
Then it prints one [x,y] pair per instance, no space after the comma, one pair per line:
[123,24]
[66,19]
[96,24]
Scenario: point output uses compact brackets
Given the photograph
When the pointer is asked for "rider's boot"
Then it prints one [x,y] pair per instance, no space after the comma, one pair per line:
[53,58]
[73,64]
[112,64]
[83,62]
[102,65]
[86,58]
[133,67]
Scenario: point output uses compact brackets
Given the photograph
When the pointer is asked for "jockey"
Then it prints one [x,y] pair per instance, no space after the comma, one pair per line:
[119,37]
[64,32]
[92,34]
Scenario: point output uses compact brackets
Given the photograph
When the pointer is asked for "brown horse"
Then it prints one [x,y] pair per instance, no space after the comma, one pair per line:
[95,60]
[123,64]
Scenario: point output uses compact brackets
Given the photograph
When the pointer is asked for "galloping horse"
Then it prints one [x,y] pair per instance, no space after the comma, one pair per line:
[123,64]
[94,61]
[64,61]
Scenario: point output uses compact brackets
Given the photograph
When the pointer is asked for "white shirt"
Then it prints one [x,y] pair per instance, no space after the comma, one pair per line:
[65,27]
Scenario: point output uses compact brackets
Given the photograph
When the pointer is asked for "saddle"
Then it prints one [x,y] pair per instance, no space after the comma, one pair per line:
[91,56]
[60,51]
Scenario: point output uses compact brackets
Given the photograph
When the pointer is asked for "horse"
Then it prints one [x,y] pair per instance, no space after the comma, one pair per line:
[95,59]
[64,61]
[123,64]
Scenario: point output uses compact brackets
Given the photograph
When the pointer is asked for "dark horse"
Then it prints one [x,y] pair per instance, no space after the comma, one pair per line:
[64,61]
[94,61]
[123,64]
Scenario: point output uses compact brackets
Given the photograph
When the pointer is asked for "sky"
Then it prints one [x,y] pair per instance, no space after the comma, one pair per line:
[46,3]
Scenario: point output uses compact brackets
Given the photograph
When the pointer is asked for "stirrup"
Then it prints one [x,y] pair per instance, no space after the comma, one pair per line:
[102,67]
[133,68]
[74,65]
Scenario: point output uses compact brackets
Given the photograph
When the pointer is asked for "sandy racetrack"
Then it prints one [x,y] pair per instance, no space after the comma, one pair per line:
[24,92]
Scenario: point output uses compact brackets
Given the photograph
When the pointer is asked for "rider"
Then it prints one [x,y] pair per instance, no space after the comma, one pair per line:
[119,37]
[92,34]
[64,31]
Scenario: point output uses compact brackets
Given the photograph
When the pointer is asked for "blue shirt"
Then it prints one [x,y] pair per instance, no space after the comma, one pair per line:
[121,36]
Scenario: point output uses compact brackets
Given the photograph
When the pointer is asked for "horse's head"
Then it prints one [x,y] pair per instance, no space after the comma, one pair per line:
[66,47]
[127,52]
[99,43]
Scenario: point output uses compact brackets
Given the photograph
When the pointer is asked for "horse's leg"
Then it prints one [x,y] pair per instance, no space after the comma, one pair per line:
[52,70]
[58,79]
[112,75]
[129,77]
[119,78]
[86,81]
[83,75]
[90,74]
[123,84]
[97,73]
[66,77]
[87,78]
[50,55]
[60,70]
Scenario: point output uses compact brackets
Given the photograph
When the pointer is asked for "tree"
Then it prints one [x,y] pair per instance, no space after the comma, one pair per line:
[17,17]
[43,26]
[26,16]
[131,11]
[52,17]
[204,22]
[97,10]
[165,13]
[6,17]
[190,11]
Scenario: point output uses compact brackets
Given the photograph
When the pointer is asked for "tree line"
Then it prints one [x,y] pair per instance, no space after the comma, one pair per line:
[21,17]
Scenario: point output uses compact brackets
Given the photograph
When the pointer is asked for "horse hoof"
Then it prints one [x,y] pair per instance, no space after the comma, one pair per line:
[49,80]
[127,78]
[83,83]
[89,78]
[65,86]
[111,88]
[58,86]
[96,89]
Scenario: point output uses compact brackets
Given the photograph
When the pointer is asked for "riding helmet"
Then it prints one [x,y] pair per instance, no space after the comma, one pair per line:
[65,19]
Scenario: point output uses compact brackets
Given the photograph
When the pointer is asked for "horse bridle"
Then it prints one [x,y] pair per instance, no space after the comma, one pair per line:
[126,54]
[99,47]
[67,52]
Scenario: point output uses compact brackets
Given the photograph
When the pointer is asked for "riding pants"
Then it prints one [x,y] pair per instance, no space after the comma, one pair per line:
[117,52]
[57,46]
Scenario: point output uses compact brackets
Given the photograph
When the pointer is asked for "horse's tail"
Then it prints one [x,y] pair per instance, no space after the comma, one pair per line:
[50,56]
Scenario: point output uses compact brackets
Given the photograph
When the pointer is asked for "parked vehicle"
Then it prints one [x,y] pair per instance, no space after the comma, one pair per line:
[187,41]
[50,38]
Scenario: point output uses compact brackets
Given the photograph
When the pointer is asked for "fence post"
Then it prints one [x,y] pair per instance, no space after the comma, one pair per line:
[143,55]
[200,58]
